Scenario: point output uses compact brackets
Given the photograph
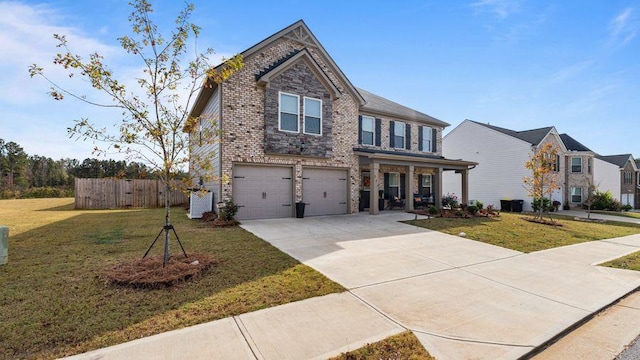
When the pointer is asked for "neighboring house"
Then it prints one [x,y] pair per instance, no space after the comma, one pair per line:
[502,153]
[628,180]
[294,129]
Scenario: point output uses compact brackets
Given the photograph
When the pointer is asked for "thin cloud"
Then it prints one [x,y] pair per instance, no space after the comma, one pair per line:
[624,27]
[500,8]
[571,71]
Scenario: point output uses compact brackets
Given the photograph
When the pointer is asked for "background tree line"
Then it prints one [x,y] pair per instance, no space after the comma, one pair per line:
[21,173]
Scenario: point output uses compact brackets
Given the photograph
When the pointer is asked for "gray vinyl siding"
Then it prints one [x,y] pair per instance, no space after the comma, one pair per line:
[212,149]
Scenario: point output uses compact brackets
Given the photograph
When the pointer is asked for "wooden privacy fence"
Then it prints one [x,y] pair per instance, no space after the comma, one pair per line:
[113,194]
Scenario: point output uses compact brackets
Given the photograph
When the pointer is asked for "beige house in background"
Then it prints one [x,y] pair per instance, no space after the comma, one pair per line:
[295,129]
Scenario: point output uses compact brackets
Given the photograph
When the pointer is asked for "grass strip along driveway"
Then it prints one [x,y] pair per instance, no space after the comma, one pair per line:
[53,304]
[512,232]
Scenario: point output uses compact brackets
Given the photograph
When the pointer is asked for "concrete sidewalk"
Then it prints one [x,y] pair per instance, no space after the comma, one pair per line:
[463,299]
[583,213]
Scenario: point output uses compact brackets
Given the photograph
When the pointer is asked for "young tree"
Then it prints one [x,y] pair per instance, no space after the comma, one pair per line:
[154,116]
[544,176]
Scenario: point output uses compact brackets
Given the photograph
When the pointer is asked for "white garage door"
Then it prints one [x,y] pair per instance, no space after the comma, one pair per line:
[324,191]
[262,192]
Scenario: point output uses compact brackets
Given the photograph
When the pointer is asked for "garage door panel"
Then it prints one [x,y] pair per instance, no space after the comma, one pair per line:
[262,192]
[324,191]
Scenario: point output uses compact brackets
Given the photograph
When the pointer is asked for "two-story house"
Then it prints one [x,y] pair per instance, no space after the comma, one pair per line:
[628,178]
[293,128]
[502,153]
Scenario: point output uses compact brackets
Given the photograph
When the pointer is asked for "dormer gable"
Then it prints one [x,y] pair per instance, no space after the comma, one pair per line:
[276,69]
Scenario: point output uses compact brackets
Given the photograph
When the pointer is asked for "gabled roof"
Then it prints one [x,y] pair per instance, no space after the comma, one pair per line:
[619,160]
[533,136]
[572,144]
[275,69]
[379,105]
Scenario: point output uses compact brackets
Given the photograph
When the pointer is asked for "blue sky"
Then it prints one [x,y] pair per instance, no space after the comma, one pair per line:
[518,64]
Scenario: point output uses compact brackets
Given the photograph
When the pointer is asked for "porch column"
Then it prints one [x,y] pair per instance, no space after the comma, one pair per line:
[438,188]
[465,186]
[373,192]
[409,186]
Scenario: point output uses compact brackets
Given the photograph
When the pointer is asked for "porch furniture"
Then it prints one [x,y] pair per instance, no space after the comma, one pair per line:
[395,202]
[422,201]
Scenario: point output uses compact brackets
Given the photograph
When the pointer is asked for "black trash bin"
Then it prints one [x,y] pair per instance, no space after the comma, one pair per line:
[516,205]
[380,204]
[505,205]
[300,210]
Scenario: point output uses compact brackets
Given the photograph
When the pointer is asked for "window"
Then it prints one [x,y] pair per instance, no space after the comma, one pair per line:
[426,184]
[556,164]
[289,110]
[576,164]
[394,185]
[368,130]
[399,131]
[312,116]
[628,177]
[426,139]
[588,165]
[576,195]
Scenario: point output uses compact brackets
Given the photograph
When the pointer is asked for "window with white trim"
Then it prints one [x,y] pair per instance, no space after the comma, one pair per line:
[576,164]
[426,139]
[312,116]
[426,184]
[576,195]
[368,130]
[288,114]
[398,132]
[556,164]
[394,184]
[628,177]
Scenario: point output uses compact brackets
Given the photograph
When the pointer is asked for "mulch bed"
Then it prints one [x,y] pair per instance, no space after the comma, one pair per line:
[211,219]
[149,272]
[542,221]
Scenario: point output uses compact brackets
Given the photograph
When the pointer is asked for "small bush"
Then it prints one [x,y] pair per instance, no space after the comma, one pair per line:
[228,210]
[604,201]
[450,200]
[479,205]
[433,210]
[626,207]
[459,213]
[539,203]
[472,209]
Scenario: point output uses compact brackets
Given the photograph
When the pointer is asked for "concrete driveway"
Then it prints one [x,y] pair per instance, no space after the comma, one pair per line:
[463,299]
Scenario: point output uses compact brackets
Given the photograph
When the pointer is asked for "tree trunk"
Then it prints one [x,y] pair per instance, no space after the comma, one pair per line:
[167,222]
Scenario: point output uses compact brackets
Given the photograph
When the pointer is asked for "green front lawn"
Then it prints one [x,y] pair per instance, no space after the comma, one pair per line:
[52,302]
[629,262]
[512,232]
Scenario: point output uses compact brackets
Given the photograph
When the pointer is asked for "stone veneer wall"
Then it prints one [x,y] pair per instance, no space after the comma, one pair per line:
[581,180]
[298,80]
[243,123]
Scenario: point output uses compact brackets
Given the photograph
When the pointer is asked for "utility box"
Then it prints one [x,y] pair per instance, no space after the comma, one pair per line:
[4,245]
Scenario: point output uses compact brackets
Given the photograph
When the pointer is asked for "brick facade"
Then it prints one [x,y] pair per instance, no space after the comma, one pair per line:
[245,118]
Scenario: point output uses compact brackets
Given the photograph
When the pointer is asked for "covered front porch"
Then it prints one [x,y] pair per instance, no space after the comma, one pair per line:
[387,177]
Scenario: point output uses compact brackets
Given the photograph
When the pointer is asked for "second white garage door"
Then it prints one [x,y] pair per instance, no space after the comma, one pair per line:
[262,192]
[324,191]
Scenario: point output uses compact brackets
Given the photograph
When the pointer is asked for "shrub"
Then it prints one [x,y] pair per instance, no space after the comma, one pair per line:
[433,210]
[229,210]
[479,205]
[541,203]
[626,207]
[450,200]
[472,209]
[459,213]
[605,201]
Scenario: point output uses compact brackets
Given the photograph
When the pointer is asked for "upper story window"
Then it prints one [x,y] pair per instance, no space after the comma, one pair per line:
[556,164]
[628,177]
[427,139]
[312,116]
[368,130]
[576,164]
[289,110]
[588,165]
[399,135]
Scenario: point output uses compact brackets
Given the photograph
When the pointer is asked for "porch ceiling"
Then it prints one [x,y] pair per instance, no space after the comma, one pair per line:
[368,156]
